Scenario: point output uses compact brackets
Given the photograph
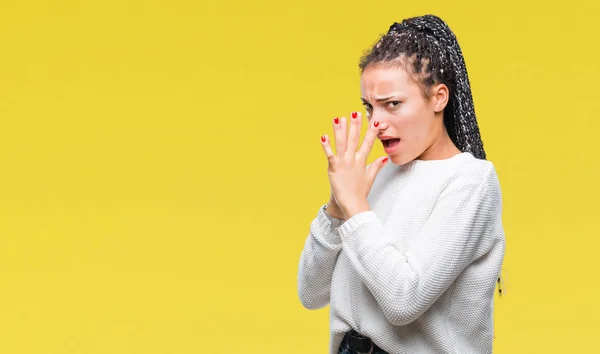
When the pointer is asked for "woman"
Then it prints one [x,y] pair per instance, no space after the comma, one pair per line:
[408,250]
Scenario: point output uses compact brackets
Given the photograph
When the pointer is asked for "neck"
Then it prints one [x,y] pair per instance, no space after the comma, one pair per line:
[441,148]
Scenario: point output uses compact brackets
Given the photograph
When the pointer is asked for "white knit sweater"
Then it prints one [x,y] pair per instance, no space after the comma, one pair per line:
[417,272]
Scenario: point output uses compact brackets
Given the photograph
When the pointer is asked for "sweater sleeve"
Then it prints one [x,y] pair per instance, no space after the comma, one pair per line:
[318,260]
[406,282]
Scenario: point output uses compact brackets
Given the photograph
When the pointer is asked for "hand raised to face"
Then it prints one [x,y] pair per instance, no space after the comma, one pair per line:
[350,180]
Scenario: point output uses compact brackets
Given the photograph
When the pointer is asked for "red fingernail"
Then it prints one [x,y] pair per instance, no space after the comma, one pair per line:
[375,124]
[336,120]
[385,160]
[354,114]
[323,138]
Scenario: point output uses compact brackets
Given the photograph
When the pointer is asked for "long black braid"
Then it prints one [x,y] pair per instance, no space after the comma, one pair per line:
[429,45]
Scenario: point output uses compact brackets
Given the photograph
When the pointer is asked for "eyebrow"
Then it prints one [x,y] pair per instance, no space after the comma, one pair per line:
[381,99]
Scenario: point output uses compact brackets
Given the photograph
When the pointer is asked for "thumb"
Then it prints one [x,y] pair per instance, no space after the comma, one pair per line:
[375,167]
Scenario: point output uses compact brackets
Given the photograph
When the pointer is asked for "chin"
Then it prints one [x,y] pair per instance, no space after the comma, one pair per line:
[401,159]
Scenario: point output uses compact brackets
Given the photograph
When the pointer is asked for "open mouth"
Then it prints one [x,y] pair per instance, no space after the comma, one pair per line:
[390,143]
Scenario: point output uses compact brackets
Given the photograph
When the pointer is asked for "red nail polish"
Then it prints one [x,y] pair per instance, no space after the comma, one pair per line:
[354,114]
[336,120]
[375,124]
[323,138]
[385,160]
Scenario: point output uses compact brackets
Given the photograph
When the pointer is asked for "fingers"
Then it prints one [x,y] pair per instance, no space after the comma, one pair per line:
[346,142]
[369,140]
[327,149]
[339,133]
[354,134]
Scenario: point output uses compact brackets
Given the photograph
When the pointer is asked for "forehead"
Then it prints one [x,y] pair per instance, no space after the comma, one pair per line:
[384,79]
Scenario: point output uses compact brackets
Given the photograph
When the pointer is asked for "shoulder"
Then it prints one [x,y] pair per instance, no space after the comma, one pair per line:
[475,171]
[478,176]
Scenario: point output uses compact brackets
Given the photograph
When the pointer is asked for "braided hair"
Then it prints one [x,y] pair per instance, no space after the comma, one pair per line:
[428,45]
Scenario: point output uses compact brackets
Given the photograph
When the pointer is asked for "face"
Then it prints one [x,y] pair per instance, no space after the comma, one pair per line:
[410,124]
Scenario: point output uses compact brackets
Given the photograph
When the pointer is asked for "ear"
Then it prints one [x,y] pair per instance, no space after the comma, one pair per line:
[440,96]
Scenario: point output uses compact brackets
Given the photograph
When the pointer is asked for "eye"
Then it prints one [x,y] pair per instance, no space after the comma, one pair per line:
[367,106]
[393,104]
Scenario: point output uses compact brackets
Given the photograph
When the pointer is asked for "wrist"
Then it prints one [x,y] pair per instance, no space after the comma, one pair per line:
[356,208]
[334,211]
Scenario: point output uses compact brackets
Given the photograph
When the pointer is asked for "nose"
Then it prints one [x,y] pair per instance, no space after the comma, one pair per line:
[382,126]
[382,118]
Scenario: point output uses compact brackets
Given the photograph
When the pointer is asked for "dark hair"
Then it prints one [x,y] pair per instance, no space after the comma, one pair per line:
[428,45]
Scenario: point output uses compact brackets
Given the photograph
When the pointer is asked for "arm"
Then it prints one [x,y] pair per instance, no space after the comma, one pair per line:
[318,259]
[406,282]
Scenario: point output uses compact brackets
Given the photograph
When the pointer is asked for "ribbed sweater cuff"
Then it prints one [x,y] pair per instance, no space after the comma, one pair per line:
[356,222]
[328,226]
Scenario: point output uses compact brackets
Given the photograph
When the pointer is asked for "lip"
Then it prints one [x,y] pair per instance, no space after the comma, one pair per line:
[390,150]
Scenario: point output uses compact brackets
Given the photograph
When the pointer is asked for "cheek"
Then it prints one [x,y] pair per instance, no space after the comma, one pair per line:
[411,120]
[415,125]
